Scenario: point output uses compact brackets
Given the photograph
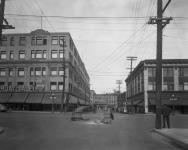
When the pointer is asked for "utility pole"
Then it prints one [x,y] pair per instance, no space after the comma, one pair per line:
[63,101]
[131,58]
[2,19]
[161,23]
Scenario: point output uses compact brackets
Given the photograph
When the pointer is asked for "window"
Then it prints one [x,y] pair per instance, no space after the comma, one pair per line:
[53,71]
[3,55]
[32,54]
[43,71]
[2,71]
[21,72]
[60,53]
[168,86]
[22,41]
[44,54]
[33,41]
[168,72]
[11,72]
[38,54]
[39,40]
[54,54]
[21,54]
[61,71]
[2,83]
[11,55]
[183,72]
[185,86]
[31,71]
[54,40]
[53,86]
[62,40]
[151,72]
[38,71]
[44,40]
[11,41]
[60,85]
[4,41]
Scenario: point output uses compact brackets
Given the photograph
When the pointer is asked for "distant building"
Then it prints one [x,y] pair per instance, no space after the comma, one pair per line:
[106,100]
[141,85]
[32,68]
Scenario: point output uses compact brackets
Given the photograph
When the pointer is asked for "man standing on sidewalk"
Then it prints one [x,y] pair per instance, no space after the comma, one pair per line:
[166,115]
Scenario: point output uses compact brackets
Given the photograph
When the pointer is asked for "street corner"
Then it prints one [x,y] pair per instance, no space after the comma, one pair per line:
[1,130]
[176,135]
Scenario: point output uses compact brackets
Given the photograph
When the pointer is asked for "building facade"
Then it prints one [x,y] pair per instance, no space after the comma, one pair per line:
[104,101]
[36,65]
[141,86]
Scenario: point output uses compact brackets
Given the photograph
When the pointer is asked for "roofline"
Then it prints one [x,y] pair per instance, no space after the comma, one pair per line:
[153,61]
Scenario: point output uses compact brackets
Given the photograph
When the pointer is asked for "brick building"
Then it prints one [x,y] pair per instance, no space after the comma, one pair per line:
[33,66]
[141,85]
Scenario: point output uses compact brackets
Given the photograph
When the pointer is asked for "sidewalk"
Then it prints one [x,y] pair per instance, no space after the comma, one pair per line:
[176,135]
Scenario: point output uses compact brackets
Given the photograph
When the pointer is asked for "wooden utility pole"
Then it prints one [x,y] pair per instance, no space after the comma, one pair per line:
[3,20]
[131,58]
[161,23]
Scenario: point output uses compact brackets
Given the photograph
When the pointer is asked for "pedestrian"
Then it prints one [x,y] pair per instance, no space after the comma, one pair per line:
[111,114]
[166,115]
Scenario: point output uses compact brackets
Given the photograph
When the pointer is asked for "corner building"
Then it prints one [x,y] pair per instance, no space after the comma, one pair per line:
[141,86]
[33,68]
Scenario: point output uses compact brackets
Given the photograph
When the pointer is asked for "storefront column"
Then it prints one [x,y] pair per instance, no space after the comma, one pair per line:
[146,90]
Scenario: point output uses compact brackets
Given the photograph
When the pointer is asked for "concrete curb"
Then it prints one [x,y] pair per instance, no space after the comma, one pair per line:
[178,140]
[1,130]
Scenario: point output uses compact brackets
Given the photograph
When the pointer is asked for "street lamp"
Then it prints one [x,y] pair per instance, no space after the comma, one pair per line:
[53,97]
[172,99]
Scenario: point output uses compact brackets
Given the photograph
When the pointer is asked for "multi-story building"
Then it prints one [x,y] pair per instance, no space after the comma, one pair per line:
[141,85]
[37,68]
[106,100]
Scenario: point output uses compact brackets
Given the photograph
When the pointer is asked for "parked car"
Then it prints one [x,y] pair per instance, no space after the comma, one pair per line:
[3,108]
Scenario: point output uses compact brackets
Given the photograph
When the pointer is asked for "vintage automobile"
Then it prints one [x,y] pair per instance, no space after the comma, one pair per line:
[3,108]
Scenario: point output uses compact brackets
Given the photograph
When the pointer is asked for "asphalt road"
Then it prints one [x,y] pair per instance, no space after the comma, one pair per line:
[46,131]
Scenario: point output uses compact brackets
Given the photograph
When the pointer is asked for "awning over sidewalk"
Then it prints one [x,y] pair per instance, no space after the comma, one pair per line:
[4,97]
[18,98]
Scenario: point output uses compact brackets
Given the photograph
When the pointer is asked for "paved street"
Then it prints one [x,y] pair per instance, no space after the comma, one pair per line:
[46,131]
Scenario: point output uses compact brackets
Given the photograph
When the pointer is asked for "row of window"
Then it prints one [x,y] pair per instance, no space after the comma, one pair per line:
[20,85]
[35,40]
[34,71]
[35,54]
[168,71]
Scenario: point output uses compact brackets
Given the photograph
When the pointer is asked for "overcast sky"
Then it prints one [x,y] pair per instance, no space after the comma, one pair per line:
[104,44]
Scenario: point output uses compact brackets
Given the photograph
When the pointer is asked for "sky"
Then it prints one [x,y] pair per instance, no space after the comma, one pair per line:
[103,42]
